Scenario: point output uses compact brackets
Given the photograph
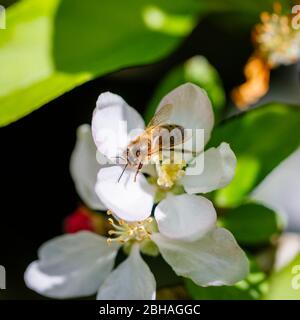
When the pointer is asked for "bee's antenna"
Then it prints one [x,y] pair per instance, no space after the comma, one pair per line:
[122,172]
[119,157]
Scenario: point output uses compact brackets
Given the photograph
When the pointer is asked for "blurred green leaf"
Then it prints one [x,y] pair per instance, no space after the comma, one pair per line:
[252,288]
[196,70]
[285,284]
[251,223]
[261,139]
[51,46]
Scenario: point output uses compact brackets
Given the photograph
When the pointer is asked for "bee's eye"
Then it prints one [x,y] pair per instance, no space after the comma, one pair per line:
[138,152]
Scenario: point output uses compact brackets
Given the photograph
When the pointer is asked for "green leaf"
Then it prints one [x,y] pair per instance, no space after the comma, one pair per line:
[196,70]
[285,284]
[261,139]
[252,288]
[51,46]
[251,224]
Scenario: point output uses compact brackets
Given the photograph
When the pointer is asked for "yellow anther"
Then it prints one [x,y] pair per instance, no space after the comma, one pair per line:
[168,174]
[136,231]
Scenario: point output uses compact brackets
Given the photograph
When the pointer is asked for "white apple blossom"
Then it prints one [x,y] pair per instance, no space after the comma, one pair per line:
[280,191]
[183,228]
[191,110]
[186,235]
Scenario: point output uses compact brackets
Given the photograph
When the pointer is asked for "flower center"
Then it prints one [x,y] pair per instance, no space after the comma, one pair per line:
[276,40]
[124,232]
[168,174]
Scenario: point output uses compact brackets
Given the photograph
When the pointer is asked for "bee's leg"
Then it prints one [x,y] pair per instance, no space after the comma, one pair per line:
[140,166]
[122,172]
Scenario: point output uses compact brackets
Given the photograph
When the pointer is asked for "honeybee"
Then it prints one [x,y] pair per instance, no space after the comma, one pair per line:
[154,140]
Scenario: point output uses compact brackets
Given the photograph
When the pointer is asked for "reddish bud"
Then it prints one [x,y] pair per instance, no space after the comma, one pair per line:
[80,219]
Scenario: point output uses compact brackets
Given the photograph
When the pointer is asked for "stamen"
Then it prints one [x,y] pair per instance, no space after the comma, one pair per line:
[168,174]
[276,43]
[124,232]
[275,39]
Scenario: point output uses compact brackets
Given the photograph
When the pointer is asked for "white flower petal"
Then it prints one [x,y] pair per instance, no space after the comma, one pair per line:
[71,265]
[287,250]
[131,280]
[113,120]
[219,169]
[128,199]
[280,190]
[213,260]
[84,168]
[191,108]
[185,217]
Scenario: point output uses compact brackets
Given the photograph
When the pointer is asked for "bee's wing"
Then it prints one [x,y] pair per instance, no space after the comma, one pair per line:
[160,121]
[161,116]
[178,137]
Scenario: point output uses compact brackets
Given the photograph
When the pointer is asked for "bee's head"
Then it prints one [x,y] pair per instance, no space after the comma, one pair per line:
[134,155]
